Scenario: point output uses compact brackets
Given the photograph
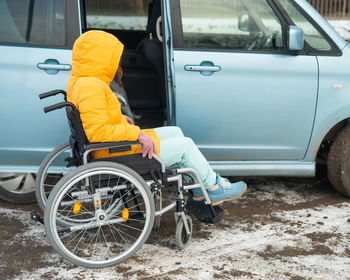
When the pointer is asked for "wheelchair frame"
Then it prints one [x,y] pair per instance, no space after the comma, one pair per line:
[155,184]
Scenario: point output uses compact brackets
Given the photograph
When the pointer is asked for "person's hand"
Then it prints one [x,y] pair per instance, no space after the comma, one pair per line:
[148,146]
[128,120]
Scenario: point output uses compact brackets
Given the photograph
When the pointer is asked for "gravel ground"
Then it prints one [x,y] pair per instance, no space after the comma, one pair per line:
[281,229]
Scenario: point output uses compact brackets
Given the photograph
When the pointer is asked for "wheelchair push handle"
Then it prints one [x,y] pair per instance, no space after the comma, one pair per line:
[58,106]
[52,93]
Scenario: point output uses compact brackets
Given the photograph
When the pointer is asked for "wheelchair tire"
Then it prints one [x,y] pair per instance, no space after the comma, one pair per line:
[45,181]
[181,238]
[102,232]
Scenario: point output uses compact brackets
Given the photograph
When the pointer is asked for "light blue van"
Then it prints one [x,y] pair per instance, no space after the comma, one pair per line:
[262,86]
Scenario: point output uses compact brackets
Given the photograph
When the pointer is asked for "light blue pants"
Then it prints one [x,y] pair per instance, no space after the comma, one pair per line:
[177,149]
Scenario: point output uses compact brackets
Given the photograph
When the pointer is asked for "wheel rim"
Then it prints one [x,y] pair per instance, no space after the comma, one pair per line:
[49,180]
[108,242]
[17,183]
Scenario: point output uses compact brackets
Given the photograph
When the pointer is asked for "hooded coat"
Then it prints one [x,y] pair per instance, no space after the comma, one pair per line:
[96,56]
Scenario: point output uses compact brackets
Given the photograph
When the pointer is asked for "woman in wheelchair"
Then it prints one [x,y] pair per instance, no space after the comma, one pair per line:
[96,57]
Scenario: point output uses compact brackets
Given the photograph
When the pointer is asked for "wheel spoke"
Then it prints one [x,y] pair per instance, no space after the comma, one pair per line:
[125,225]
[76,236]
[109,226]
[80,239]
[117,230]
[104,237]
[125,233]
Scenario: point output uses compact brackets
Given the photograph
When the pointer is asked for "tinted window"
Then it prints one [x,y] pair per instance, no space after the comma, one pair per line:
[117,14]
[312,36]
[230,24]
[39,22]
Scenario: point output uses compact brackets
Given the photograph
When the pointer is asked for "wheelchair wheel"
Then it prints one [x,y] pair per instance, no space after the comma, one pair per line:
[111,211]
[46,179]
[181,237]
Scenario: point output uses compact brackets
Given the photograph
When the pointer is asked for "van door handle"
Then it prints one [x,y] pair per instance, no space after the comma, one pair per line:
[60,67]
[200,68]
[52,66]
[205,68]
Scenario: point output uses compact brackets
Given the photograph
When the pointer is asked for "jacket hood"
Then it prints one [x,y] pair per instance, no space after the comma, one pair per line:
[96,54]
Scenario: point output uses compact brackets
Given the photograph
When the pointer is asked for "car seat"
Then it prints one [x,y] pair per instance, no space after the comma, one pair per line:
[151,48]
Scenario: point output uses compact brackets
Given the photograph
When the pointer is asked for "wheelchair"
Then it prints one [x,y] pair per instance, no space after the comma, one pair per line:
[101,212]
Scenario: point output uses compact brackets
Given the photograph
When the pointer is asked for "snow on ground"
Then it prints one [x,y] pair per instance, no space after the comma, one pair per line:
[282,229]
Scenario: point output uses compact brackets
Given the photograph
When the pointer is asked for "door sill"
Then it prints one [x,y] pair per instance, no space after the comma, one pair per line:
[264,168]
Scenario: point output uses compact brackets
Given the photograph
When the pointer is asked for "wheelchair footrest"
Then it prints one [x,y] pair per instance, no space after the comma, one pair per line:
[205,213]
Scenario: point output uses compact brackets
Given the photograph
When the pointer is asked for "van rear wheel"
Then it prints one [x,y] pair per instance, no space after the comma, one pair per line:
[17,187]
[338,162]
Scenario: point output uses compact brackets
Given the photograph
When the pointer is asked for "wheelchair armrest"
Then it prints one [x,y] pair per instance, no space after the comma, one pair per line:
[59,106]
[114,147]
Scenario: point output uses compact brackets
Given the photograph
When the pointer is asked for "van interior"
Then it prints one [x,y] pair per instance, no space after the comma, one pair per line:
[142,61]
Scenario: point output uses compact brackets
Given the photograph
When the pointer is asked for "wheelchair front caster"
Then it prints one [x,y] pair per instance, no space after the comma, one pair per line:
[182,238]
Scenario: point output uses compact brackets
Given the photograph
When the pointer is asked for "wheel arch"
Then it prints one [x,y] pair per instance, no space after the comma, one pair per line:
[330,119]
[320,155]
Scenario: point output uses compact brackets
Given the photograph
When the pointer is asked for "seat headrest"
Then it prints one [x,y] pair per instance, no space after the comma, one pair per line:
[154,12]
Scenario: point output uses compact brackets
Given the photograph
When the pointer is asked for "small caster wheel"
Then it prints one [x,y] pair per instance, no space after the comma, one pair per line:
[35,217]
[157,206]
[181,237]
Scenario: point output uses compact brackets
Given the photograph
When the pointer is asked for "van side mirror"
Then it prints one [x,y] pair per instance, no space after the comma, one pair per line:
[296,38]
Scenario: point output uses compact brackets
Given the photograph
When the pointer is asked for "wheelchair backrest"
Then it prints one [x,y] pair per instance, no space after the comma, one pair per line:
[78,138]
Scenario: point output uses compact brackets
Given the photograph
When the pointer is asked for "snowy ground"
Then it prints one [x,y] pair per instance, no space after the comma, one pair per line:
[282,229]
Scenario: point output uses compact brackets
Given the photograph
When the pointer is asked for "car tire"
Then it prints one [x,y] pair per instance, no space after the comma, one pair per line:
[17,187]
[338,162]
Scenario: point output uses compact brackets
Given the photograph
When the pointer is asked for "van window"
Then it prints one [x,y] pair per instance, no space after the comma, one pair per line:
[117,14]
[40,22]
[230,24]
[311,34]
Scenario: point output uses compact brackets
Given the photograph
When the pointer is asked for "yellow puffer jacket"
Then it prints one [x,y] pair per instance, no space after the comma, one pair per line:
[96,56]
